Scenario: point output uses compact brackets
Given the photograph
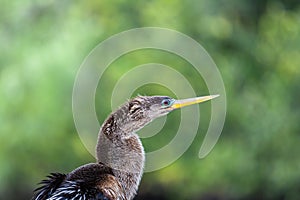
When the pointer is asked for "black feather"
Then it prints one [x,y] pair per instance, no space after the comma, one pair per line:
[56,187]
[77,190]
[48,186]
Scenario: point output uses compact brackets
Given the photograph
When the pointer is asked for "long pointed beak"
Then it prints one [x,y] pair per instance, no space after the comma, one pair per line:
[186,102]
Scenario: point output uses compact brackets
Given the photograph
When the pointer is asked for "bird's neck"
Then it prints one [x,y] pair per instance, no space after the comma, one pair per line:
[123,153]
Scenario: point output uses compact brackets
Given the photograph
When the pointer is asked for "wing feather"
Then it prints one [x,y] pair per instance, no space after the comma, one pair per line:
[48,186]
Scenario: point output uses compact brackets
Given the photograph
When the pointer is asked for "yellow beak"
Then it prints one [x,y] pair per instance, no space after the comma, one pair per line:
[186,102]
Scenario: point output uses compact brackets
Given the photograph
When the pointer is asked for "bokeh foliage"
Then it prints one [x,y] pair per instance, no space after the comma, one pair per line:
[256,45]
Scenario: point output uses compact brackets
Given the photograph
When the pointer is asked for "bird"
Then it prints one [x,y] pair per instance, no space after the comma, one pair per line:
[120,156]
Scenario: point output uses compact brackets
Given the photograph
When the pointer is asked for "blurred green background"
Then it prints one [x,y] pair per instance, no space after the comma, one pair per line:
[255,44]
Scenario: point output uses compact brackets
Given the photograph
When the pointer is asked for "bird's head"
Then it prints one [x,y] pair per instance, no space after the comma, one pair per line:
[143,109]
[126,121]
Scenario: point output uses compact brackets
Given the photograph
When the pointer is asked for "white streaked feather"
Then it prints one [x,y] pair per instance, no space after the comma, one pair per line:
[70,189]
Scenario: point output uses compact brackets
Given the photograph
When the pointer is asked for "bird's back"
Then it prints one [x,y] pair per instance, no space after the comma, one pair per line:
[90,182]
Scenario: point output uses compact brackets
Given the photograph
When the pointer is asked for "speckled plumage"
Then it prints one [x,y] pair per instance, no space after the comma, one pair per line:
[120,157]
[120,148]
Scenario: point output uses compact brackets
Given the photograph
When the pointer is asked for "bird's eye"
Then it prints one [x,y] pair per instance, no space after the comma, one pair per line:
[166,102]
